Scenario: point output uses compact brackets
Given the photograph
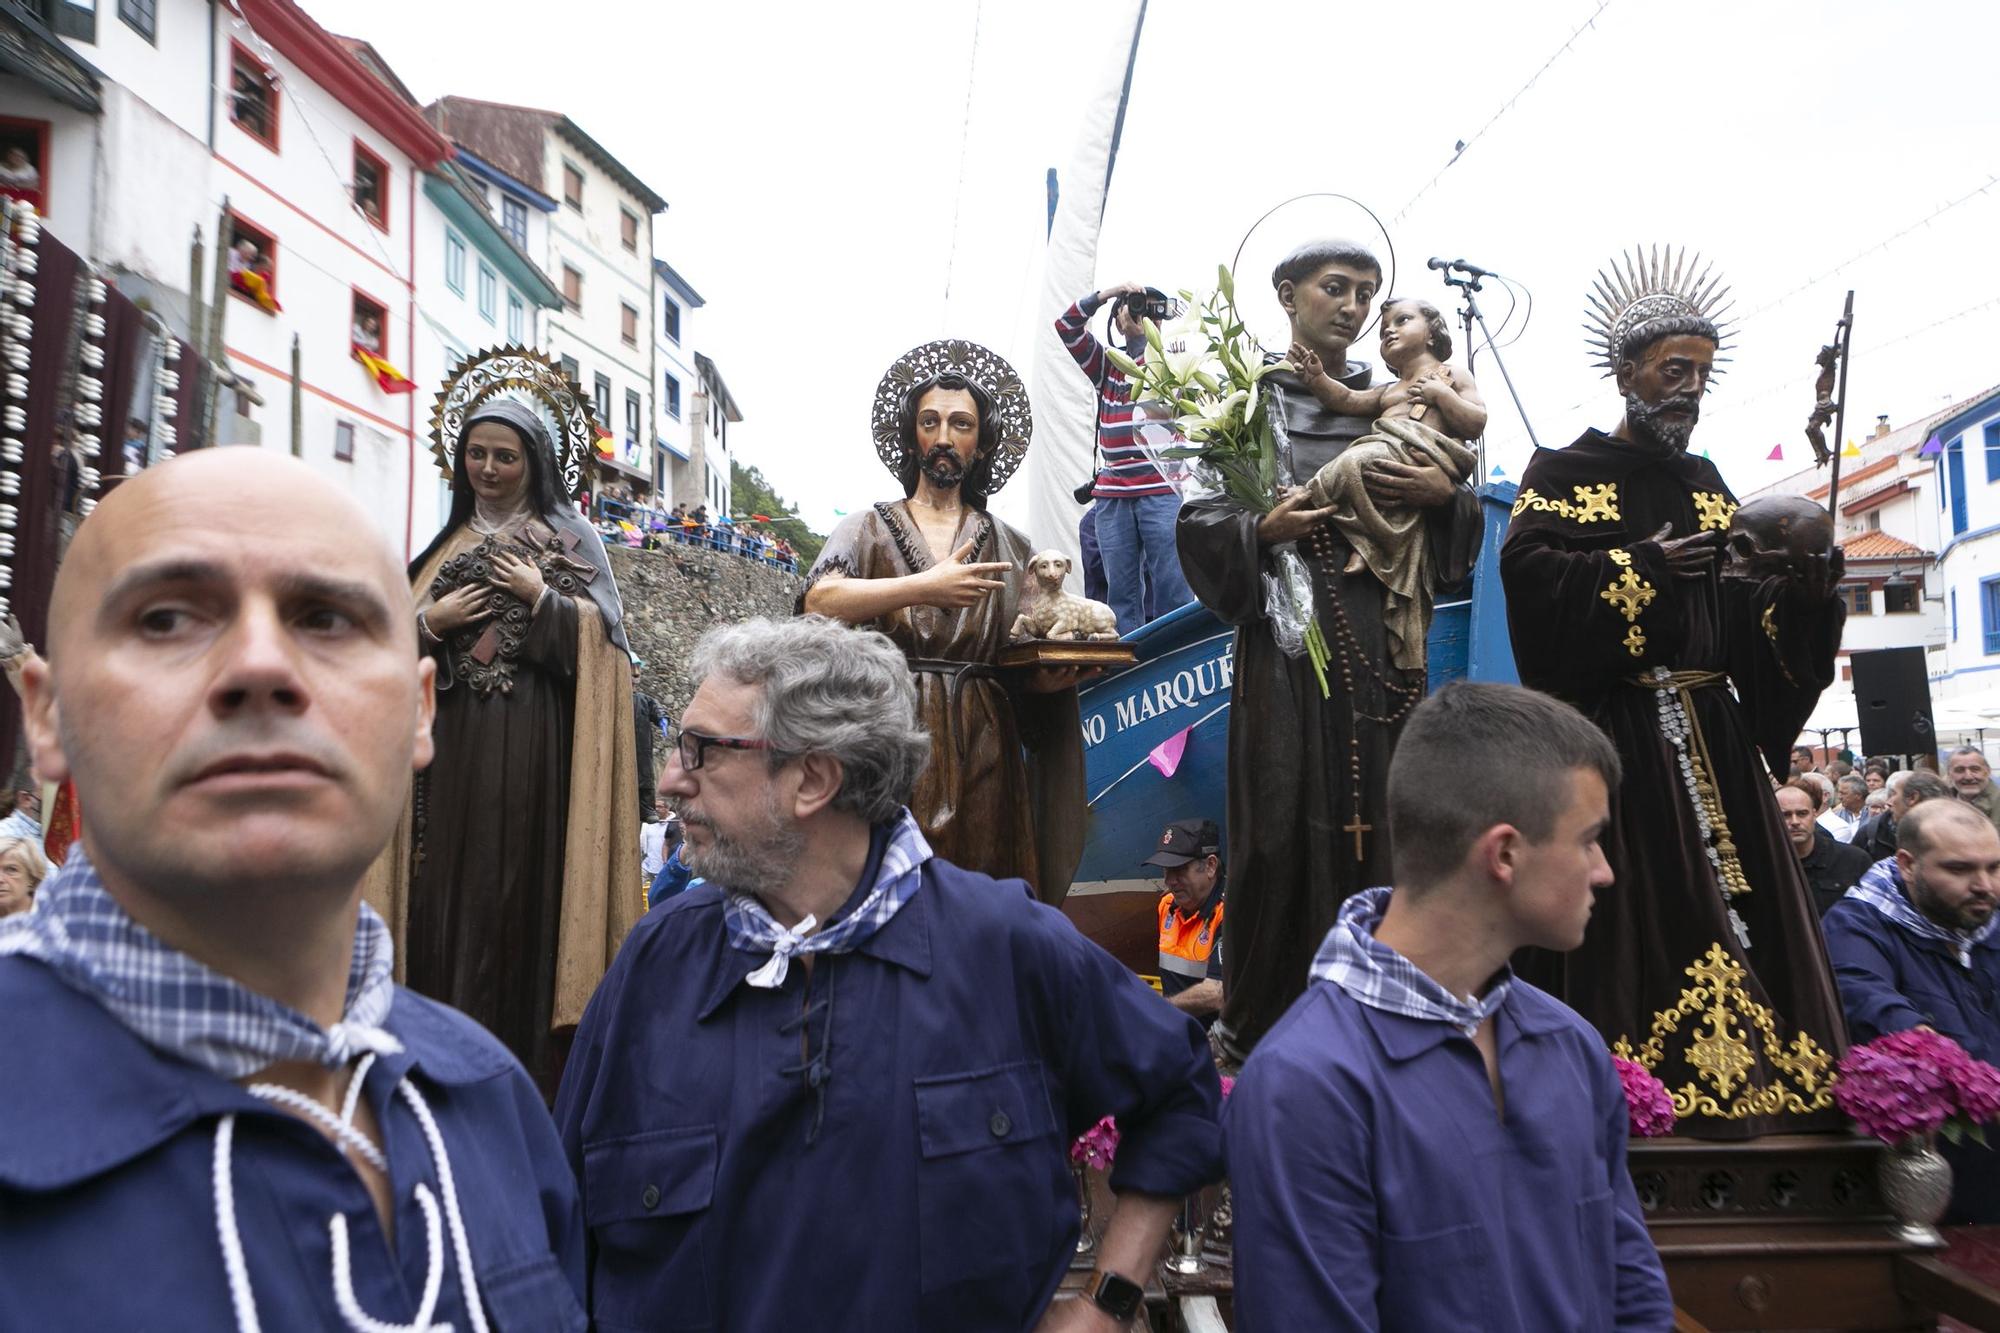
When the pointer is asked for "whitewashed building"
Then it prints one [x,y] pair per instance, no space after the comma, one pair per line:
[676,378]
[600,256]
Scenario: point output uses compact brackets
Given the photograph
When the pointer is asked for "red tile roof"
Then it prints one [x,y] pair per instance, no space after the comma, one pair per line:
[1881,546]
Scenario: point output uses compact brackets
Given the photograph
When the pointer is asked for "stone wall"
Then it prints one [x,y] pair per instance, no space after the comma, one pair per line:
[673,596]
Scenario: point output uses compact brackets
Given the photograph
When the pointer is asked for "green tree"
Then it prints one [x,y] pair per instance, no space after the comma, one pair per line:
[751,494]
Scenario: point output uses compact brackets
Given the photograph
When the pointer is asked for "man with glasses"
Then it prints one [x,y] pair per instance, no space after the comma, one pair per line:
[841,1073]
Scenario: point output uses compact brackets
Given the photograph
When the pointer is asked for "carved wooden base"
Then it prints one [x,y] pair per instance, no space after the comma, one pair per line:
[1068,653]
[1783,1232]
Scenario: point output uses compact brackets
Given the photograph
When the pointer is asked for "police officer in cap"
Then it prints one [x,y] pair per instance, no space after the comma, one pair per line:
[1191,917]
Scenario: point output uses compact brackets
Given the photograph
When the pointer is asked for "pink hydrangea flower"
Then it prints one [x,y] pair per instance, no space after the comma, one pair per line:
[1097,1146]
[1911,1084]
[1647,1101]
[1228,1086]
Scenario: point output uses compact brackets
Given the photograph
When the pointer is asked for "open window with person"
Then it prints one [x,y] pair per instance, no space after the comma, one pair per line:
[371,324]
[24,153]
[253,96]
[252,256]
[371,186]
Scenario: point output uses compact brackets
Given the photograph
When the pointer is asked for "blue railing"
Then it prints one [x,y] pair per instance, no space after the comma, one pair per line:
[657,529]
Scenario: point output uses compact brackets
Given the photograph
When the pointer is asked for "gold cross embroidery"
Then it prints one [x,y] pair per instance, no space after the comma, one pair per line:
[1713,511]
[1629,594]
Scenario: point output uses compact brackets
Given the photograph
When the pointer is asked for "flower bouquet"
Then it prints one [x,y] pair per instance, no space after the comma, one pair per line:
[1207,370]
[1647,1101]
[1097,1146]
[1915,1084]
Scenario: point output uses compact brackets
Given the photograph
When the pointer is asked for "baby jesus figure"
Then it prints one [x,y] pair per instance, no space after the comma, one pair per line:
[1423,418]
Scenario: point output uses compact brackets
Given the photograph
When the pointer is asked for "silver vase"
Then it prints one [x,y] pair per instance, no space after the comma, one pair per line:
[1916,1184]
[1086,1244]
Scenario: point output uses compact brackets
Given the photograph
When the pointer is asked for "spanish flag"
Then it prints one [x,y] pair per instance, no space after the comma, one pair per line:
[606,445]
[252,284]
[387,377]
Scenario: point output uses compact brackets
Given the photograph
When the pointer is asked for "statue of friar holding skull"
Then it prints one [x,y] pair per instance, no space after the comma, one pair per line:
[943,578]
[1697,636]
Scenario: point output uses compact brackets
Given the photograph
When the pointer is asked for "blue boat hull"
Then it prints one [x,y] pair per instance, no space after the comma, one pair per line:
[1182,681]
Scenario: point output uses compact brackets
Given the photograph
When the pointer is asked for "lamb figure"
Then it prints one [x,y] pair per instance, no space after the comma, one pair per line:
[1047,612]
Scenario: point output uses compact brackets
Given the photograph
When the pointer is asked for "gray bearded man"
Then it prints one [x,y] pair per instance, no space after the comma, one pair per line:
[1618,603]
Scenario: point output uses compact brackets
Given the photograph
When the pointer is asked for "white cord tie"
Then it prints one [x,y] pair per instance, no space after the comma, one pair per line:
[243,1301]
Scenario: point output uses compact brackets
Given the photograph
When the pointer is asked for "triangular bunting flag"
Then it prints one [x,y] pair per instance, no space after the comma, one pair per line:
[1777,453]
[1932,447]
[1499,473]
[1852,450]
[1166,756]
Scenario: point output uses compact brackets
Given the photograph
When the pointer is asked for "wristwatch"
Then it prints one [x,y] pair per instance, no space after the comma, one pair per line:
[1115,1294]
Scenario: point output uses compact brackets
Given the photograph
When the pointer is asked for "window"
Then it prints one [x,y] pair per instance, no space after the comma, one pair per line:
[1954,467]
[628,324]
[1902,597]
[1856,598]
[672,388]
[371,186]
[573,186]
[371,324]
[1989,613]
[670,318]
[628,229]
[253,96]
[253,265]
[517,317]
[343,441]
[573,372]
[600,398]
[71,18]
[572,288]
[454,262]
[514,219]
[489,292]
[634,410]
[24,160]
[141,16]
[1993,451]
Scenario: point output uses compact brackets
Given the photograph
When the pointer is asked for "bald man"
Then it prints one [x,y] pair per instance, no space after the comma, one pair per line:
[218,1110]
[1915,944]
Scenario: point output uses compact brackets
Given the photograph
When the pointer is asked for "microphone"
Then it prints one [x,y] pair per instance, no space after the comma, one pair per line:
[1472,270]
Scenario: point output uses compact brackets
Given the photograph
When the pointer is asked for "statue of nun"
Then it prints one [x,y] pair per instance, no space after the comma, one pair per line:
[513,880]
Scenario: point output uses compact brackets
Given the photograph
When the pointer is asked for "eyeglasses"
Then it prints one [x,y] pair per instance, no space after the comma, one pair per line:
[692,747]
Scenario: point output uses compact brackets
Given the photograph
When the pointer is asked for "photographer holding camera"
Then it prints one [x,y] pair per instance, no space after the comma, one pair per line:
[1135,506]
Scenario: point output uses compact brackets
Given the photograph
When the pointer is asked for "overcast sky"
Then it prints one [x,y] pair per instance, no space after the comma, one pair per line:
[847,181]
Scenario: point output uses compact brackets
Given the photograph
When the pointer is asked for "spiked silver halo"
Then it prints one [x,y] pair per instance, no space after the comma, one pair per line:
[1650,287]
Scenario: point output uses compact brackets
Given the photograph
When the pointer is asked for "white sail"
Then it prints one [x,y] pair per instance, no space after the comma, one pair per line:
[1065,402]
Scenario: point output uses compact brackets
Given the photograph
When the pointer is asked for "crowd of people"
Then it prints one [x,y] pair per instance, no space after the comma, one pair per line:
[628,521]
[358,899]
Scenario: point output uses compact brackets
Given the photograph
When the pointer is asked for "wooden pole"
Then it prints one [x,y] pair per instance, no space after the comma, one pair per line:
[1845,335]
[298,404]
[196,254]
[217,306]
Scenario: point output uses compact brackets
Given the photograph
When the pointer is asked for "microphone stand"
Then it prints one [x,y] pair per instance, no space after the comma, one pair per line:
[1468,284]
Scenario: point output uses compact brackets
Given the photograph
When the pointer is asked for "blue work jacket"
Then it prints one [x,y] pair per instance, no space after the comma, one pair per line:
[880,1142]
[108,1215]
[1377,1186]
[1892,980]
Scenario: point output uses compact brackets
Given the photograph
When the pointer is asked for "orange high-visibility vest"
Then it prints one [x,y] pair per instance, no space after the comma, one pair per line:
[1186,943]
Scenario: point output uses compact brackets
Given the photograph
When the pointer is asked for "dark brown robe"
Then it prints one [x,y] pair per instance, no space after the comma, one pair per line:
[1662,972]
[1003,791]
[1292,860]
[514,877]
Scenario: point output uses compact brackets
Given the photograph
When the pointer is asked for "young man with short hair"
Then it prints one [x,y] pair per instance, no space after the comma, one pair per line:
[1425,1141]
[1831,866]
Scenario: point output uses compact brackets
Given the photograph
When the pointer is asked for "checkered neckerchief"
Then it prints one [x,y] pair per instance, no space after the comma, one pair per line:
[753,929]
[1881,887]
[1379,977]
[185,1008]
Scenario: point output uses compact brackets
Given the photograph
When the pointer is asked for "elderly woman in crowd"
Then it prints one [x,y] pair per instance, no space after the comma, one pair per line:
[22,870]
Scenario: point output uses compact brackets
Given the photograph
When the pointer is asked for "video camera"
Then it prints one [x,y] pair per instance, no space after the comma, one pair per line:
[1152,304]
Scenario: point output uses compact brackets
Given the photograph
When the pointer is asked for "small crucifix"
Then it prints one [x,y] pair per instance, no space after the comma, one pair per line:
[1357,828]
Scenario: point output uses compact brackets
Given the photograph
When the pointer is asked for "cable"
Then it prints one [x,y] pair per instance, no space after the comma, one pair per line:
[1883,244]
[1505,107]
[964,140]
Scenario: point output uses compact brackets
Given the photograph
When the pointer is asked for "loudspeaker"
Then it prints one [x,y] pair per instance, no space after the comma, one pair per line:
[1892,693]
